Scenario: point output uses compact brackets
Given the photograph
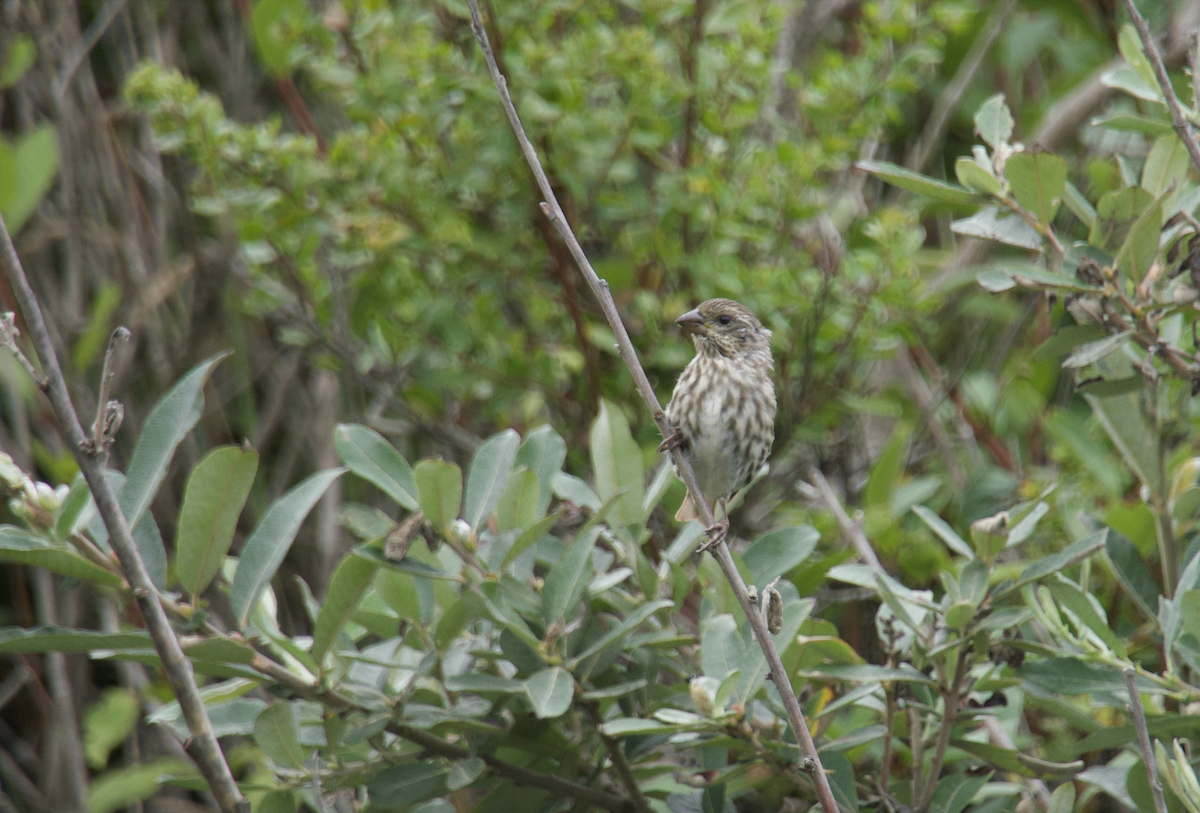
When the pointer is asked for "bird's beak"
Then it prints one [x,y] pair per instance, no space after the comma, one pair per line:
[691,322]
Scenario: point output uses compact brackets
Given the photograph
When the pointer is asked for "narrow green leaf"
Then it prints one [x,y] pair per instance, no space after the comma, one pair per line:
[778,552]
[213,499]
[1125,422]
[406,784]
[543,453]
[481,683]
[1079,205]
[168,423]
[1063,799]
[518,506]
[903,178]
[1132,573]
[1058,561]
[565,582]
[956,791]
[617,462]
[277,733]
[439,491]
[21,54]
[975,177]
[528,537]
[366,453]
[722,649]
[1116,212]
[462,774]
[550,691]
[990,224]
[62,639]
[622,629]
[488,474]
[1065,595]
[947,534]
[993,122]
[122,787]
[1092,352]
[1140,248]
[19,545]
[1166,166]
[346,588]
[73,511]
[269,543]
[107,722]
[569,487]
[32,165]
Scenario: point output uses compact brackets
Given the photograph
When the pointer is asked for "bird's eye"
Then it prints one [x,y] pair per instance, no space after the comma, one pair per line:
[724,319]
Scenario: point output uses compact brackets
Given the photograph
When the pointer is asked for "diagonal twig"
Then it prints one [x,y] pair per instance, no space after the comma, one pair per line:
[1178,120]
[177,668]
[1143,734]
[629,355]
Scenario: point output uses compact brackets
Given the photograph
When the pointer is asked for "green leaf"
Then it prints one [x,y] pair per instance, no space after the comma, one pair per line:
[1132,573]
[990,224]
[1037,180]
[955,792]
[543,453]
[27,172]
[62,639]
[1057,561]
[550,691]
[778,552]
[1130,123]
[975,177]
[1130,45]
[1092,352]
[404,785]
[264,550]
[566,580]
[1079,205]
[1063,799]
[1072,676]
[993,122]
[1140,248]
[619,631]
[462,774]
[488,475]
[528,537]
[569,487]
[1116,212]
[1125,422]
[213,499]
[346,588]
[166,426]
[122,787]
[481,683]
[617,462]
[18,545]
[722,649]
[634,727]
[903,178]
[712,799]
[276,23]
[1165,166]
[439,491]
[366,453]
[1069,597]
[518,506]
[277,733]
[947,534]
[20,56]
[107,722]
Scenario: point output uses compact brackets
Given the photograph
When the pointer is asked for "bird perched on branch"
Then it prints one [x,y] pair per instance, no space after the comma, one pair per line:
[723,406]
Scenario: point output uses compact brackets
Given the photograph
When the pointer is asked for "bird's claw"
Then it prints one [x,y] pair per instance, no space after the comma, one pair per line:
[716,534]
[672,441]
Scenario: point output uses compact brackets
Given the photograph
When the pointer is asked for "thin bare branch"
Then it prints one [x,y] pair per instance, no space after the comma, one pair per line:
[629,355]
[176,666]
[108,413]
[1178,120]
[9,337]
[1143,733]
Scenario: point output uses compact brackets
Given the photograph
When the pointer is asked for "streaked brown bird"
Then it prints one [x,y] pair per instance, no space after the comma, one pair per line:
[723,406]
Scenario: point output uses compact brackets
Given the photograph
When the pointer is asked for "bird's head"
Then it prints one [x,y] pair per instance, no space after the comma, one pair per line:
[724,326]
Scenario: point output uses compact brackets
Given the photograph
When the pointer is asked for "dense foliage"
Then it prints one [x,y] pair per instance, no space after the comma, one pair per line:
[504,617]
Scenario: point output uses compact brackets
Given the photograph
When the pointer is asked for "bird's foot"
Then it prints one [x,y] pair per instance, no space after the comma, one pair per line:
[716,534]
[672,440]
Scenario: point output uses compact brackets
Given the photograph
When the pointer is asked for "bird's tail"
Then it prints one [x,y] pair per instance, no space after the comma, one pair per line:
[687,512]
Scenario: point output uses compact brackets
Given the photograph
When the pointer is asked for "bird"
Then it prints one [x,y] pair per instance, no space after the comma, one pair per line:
[722,409]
